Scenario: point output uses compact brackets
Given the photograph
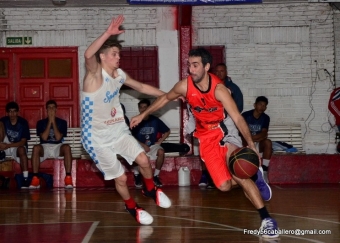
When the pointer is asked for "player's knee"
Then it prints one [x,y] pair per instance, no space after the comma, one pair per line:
[226,186]
[121,180]
[142,160]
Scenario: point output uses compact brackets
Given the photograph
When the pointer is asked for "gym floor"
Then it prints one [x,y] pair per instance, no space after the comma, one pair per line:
[307,213]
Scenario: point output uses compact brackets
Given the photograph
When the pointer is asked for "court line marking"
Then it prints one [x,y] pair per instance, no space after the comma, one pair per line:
[225,227]
[90,232]
[191,206]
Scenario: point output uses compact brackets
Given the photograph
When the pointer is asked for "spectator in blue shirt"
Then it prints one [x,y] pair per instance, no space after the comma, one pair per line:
[51,131]
[14,133]
[222,72]
[150,133]
[258,123]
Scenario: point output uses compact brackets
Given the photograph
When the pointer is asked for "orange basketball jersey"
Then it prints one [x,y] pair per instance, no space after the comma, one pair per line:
[208,111]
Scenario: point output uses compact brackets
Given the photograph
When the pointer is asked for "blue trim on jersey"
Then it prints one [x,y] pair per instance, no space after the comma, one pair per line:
[86,126]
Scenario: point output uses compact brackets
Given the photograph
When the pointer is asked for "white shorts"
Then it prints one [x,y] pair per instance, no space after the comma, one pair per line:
[152,154]
[11,151]
[51,151]
[106,160]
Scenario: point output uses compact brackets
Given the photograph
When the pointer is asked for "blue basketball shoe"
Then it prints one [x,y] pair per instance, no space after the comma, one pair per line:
[264,188]
[269,228]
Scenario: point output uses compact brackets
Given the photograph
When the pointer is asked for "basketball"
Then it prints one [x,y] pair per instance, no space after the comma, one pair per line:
[243,163]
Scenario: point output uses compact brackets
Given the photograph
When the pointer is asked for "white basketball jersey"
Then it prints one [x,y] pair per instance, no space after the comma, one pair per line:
[102,115]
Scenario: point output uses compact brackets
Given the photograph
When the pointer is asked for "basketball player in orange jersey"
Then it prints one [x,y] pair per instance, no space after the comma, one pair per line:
[208,98]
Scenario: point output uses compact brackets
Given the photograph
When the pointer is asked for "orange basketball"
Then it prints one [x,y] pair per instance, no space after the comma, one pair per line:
[243,163]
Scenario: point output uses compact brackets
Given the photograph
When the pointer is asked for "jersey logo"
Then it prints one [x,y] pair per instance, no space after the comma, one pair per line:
[113,112]
[199,109]
[110,96]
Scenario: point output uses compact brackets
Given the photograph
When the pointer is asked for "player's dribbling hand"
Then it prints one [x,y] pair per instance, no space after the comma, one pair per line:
[257,152]
[113,29]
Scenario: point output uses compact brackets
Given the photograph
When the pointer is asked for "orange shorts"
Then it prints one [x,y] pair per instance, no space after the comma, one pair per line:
[215,157]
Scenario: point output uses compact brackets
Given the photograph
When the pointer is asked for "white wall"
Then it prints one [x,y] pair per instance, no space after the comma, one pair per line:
[144,26]
[166,38]
[270,50]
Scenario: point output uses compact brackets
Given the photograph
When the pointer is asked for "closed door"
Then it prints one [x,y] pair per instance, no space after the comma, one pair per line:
[32,76]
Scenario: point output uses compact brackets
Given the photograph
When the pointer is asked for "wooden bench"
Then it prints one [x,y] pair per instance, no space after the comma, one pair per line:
[73,138]
[290,134]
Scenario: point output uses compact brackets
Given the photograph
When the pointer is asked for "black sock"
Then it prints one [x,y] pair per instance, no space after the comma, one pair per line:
[68,174]
[263,213]
[35,174]
[265,168]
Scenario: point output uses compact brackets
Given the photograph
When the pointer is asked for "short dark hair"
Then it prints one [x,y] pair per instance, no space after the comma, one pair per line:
[144,101]
[51,102]
[107,44]
[261,98]
[12,105]
[222,64]
[203,53]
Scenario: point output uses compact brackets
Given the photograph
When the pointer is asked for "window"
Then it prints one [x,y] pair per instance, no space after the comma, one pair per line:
[141,63]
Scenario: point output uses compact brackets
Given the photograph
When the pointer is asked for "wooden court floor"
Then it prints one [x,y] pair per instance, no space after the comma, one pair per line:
[307,213]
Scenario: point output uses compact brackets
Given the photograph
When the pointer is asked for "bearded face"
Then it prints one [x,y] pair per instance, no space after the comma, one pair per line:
[196,69]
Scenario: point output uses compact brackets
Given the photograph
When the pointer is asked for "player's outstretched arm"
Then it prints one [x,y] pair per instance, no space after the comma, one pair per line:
[142,88]
[113,29]
[178,90]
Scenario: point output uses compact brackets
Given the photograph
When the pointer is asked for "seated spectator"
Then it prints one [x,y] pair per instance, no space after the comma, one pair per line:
[51,131]
[14,133]
[150,133]
[258,123]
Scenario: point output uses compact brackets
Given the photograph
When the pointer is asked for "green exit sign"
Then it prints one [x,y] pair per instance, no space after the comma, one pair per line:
[18,41]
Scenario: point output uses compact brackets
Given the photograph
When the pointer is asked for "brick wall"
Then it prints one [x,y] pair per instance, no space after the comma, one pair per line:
[271,50]
[337,45]
[144,26]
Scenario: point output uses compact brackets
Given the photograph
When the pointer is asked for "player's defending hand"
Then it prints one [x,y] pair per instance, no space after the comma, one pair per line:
[113,29]
[136,120]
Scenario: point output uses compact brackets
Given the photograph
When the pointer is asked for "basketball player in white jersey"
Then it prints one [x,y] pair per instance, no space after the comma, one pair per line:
[104,131]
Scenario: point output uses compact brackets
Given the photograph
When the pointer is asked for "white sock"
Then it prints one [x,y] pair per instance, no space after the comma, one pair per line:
[136,170]
[25,173]
[156,172]
[266,162]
